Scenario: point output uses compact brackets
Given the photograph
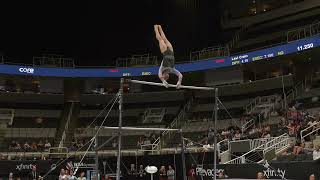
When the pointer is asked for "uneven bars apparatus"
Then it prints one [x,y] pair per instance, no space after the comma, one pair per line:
[182,147]
[140,129]
[170,85]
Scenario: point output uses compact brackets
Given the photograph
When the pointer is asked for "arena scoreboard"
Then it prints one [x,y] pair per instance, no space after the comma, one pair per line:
[275,51]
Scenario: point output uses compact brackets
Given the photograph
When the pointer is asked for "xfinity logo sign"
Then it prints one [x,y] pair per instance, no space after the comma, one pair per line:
[274,173]
[26,70]
[24,167]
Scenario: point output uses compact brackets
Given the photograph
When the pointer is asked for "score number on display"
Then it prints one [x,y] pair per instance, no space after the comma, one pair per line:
[305,47]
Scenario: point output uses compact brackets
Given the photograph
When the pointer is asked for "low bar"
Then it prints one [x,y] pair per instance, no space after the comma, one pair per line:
[170,85]
[140,129]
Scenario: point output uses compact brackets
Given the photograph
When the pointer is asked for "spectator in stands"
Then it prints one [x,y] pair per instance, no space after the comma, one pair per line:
[33,175]
[132,172]
[114,143]
[140,142]
[162,173]
[191,173]
[316,153]
[40,146]
[80,143]
[43,157]
[190,143]
[26,147]
[71,175]
[260,175]
[225,132]
[141,172]
[253,130]
[62,175]
[11,176]
[312,177]
[291,129]
[20,157]
[266,132]
[81,177]
[34,146]
[170,173]
[67,173]
[237,135]
[74,145]
[153,138]
[300,149]
[290,149]
[12,146]
[47,145]
[222,175]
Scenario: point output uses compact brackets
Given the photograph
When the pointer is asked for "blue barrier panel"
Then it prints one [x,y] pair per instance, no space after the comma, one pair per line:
[293,47]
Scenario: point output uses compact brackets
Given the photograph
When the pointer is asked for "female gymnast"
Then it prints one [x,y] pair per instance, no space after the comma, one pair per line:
[167,64]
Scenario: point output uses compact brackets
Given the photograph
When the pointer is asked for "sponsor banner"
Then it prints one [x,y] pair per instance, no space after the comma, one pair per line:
[281,170]
[22,168]
[287,170]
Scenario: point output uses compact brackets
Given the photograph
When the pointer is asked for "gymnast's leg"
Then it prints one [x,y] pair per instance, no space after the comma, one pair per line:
[162,44]
[164,38]
[163,47]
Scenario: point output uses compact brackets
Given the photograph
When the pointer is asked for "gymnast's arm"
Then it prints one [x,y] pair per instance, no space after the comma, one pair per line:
[180,77]
[161,77]
[160,73]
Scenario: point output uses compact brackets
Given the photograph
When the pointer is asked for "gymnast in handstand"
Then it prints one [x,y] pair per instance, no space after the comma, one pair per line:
[167,64]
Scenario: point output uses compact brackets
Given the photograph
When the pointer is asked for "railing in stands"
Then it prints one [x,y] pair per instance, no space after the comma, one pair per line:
[151,147]
[236,38]
[66,127]
[223,146]
[52,60]
[154,115]
[260,100]
[137,61]
[251,105]
[209,52]
[247,125]
[278,146]
[258,142]
[292,94]
[314,128]
[303,32]
[244,158]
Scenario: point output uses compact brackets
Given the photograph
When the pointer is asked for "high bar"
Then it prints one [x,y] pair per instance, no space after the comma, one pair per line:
[140,129]
[170,85]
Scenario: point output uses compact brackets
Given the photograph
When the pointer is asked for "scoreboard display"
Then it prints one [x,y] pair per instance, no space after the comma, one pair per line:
[258,55]
[275,51]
